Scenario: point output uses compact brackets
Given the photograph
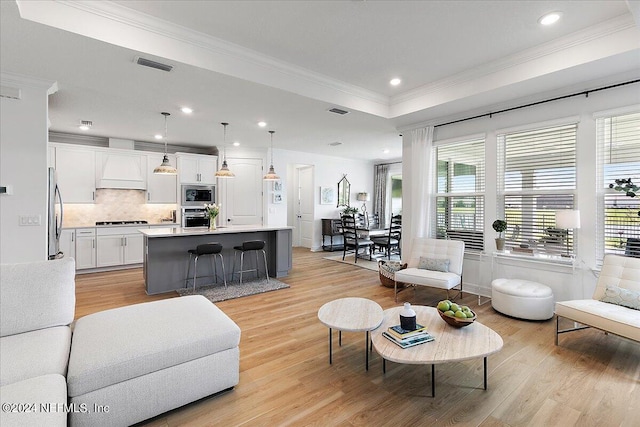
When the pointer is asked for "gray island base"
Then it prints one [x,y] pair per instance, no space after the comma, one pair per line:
[166,255]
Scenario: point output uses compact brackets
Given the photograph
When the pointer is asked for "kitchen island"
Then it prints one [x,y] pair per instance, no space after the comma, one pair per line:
[166,254]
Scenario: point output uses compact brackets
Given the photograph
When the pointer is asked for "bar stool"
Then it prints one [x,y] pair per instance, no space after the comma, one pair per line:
[211,249]
[250,245]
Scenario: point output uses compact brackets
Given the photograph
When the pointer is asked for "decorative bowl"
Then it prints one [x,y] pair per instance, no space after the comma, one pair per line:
[457,322]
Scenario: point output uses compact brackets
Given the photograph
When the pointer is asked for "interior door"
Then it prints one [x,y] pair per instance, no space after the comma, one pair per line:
[241,198]
[305,212]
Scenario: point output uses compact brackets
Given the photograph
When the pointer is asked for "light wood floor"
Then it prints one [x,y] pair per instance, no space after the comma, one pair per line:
[590,379]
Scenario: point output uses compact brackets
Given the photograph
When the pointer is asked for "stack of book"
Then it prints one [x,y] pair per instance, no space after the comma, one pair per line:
[405,338]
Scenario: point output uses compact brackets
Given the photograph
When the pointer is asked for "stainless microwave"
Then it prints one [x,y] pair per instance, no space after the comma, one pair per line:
[198,195]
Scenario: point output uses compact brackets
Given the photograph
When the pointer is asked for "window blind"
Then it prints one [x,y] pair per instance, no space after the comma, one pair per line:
[460,187]
[537,177]
[618,223]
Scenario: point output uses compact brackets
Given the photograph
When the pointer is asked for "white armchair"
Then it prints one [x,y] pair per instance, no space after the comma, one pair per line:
[619,273]
[428,266]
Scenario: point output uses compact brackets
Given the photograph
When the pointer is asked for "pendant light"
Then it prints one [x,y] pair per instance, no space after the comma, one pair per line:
[224,171]
[165,168]
[271,175]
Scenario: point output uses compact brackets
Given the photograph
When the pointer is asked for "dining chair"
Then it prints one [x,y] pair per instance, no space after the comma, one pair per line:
[390,242]
[353,241]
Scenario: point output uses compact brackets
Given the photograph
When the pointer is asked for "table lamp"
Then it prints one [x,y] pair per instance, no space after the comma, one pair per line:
[364,197]
[567,220]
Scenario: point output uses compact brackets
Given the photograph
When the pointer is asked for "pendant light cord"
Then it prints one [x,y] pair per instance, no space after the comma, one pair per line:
[165,131]
[272,132]
[224,142]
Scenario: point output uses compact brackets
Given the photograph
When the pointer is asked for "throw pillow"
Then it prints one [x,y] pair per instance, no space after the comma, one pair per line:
[621,296]
[434,264]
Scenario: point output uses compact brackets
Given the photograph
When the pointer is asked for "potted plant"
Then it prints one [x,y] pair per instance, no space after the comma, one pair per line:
[500,226]
[350,210]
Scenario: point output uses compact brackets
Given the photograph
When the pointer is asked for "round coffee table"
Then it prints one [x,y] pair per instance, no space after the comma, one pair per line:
[352,315]
[450,344]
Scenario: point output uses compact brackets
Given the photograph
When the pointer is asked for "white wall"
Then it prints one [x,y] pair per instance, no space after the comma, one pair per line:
[566,282]
[23,165]
[328,171]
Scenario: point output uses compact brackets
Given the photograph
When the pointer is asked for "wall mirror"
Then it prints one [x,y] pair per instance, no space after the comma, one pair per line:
[344,188]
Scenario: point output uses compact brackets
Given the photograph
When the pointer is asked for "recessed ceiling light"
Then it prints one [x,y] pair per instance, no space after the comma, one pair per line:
[186,110]
[385,151]
[236,144]
[550,18]
[262,124]
[85,125]
[157,136]
[395,82]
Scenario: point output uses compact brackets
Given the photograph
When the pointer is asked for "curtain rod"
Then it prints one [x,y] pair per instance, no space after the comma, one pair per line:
[383,164]
[584,92]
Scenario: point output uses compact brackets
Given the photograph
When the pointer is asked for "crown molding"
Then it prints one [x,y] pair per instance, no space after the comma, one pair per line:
[576,39]
[19,81]
[113,23]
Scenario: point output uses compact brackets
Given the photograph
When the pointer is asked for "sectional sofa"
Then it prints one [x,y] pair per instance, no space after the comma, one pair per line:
[112,368]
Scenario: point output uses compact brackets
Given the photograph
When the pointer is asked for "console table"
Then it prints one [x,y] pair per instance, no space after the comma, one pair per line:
[331,227]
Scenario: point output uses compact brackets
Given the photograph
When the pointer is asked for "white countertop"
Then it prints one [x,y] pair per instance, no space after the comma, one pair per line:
[155,224]
[199,231]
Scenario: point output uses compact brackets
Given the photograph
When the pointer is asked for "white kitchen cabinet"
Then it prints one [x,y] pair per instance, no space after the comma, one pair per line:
[197,168]
[85,248]
[160,188]
[119,246]
[68,243]
[76,171]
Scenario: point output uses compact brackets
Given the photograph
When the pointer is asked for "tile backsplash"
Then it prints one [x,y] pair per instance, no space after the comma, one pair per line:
[116,205]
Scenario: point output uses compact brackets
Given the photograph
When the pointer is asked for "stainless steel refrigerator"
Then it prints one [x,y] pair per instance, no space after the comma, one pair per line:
[55,215]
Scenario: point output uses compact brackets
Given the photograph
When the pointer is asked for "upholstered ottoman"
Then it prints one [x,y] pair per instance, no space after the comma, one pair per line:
[133,363]
[522,299]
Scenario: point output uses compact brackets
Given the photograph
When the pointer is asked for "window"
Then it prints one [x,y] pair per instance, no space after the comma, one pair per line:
[396,194]
[537,176]
[618,141]
[460,193]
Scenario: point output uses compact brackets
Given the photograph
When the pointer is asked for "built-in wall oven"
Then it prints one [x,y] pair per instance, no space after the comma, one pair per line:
[194,217]
[198,195]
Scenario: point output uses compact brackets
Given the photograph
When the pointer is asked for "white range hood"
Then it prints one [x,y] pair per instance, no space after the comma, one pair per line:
[121,167]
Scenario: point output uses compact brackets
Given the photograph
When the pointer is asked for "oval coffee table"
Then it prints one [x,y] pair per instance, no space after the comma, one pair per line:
[352,315]
[450,344]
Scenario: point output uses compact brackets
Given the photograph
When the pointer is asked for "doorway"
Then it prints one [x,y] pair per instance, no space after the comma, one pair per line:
[241,197]
[303,207]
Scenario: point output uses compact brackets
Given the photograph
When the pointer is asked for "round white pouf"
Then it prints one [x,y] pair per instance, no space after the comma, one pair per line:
[522,299]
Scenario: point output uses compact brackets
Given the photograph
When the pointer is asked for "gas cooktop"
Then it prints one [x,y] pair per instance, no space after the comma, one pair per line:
[121,222]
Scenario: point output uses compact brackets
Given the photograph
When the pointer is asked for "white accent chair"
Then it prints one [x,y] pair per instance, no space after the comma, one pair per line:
[439,249]
[619,271]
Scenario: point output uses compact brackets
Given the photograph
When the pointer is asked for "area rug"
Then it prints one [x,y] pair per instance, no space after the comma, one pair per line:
[215,293]
[362,263]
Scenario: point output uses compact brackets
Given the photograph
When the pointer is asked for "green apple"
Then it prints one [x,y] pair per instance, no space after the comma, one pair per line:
[449,313]
[465,308]
[455,307]
[443,306]
[460,314]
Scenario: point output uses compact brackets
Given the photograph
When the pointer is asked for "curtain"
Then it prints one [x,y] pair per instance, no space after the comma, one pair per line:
[421,178]
[380,204]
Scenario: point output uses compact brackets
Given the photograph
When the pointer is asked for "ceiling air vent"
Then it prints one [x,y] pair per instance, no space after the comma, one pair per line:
[338,111]
[153,64]
[335,144]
